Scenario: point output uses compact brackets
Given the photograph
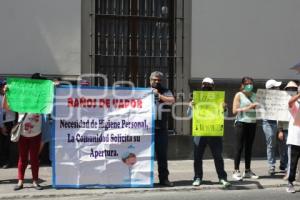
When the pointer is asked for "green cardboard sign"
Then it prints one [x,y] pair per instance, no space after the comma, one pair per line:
[30,95]
[208,113]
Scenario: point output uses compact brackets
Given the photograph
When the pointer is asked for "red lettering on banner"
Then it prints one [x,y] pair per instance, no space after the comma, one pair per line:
[139,103]
[125,103]
[70,102]
[82,102]
[104,103]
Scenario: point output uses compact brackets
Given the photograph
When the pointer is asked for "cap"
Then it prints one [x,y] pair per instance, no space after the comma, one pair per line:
[291,84]
[272,83]
[208,80]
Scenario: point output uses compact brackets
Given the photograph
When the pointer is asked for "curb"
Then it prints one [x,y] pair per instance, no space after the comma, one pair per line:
[55,193]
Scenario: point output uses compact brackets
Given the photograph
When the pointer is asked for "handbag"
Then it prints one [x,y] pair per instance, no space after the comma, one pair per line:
[16,130]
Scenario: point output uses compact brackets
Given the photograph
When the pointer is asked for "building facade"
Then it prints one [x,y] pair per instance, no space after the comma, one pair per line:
[126,40]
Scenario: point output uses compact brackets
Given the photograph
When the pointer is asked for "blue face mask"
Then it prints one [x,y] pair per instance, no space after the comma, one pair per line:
[248,88]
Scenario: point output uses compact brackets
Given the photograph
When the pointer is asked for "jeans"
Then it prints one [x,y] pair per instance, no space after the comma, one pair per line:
[270,130]
[216,147]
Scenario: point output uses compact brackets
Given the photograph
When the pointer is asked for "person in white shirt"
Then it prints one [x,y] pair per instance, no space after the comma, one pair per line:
[293,140]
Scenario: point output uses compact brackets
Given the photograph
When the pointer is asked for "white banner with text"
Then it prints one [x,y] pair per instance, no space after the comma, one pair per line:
[103,137]
[272,105]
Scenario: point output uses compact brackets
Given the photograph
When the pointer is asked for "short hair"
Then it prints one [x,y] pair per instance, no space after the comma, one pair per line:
[157,74]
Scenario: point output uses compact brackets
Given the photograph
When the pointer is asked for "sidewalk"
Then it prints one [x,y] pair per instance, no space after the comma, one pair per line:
[181,173]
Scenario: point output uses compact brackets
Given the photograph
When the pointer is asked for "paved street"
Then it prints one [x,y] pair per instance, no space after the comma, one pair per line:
[181,172]
[257,194]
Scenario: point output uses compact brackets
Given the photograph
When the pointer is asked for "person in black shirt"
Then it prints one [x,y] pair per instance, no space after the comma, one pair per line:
[163,98]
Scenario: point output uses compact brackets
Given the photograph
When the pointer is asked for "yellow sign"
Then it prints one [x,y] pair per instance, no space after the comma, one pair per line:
[208,113]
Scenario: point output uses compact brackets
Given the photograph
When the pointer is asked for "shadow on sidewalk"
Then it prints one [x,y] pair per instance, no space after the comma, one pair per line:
[276,176]
[15,181]
[244,185]
[235,185]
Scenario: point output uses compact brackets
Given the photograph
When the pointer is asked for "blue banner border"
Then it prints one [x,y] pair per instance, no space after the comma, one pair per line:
[55,185]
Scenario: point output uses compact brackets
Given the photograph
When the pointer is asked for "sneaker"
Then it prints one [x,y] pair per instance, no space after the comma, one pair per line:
[166,183]
[225,183]
[250,174]
[37,187]
[237,175]
[290,188]
[5,166]
[197,182]
[18,187]
[271,171]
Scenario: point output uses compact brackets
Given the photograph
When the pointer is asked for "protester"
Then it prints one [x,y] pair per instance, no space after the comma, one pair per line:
[283,134]
[9,118]
[163,98]
[245,127]
[29,144]
[293,140]
[2,127]
[215,144]
[270,131]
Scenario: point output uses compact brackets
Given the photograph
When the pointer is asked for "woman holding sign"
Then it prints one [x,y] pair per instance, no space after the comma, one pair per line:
[245,127]
[29,144]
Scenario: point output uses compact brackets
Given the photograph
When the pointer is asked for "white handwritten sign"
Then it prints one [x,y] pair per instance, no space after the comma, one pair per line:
[273,105]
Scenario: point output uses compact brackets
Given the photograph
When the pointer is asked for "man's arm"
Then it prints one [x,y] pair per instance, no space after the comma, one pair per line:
[166,99]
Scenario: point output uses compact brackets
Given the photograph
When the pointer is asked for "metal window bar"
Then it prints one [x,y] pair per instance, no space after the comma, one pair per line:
[135,37]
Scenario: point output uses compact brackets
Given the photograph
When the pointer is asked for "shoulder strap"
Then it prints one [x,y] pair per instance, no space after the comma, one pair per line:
[23,118]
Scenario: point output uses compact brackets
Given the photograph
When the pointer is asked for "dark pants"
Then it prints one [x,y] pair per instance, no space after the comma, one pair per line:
[283,151]
[244,136]
[5,144]
[161,152]
[295,154]
[216,146]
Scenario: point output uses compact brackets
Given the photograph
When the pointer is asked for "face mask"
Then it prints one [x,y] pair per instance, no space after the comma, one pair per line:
[207,88]
[248,88]
[156,86]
